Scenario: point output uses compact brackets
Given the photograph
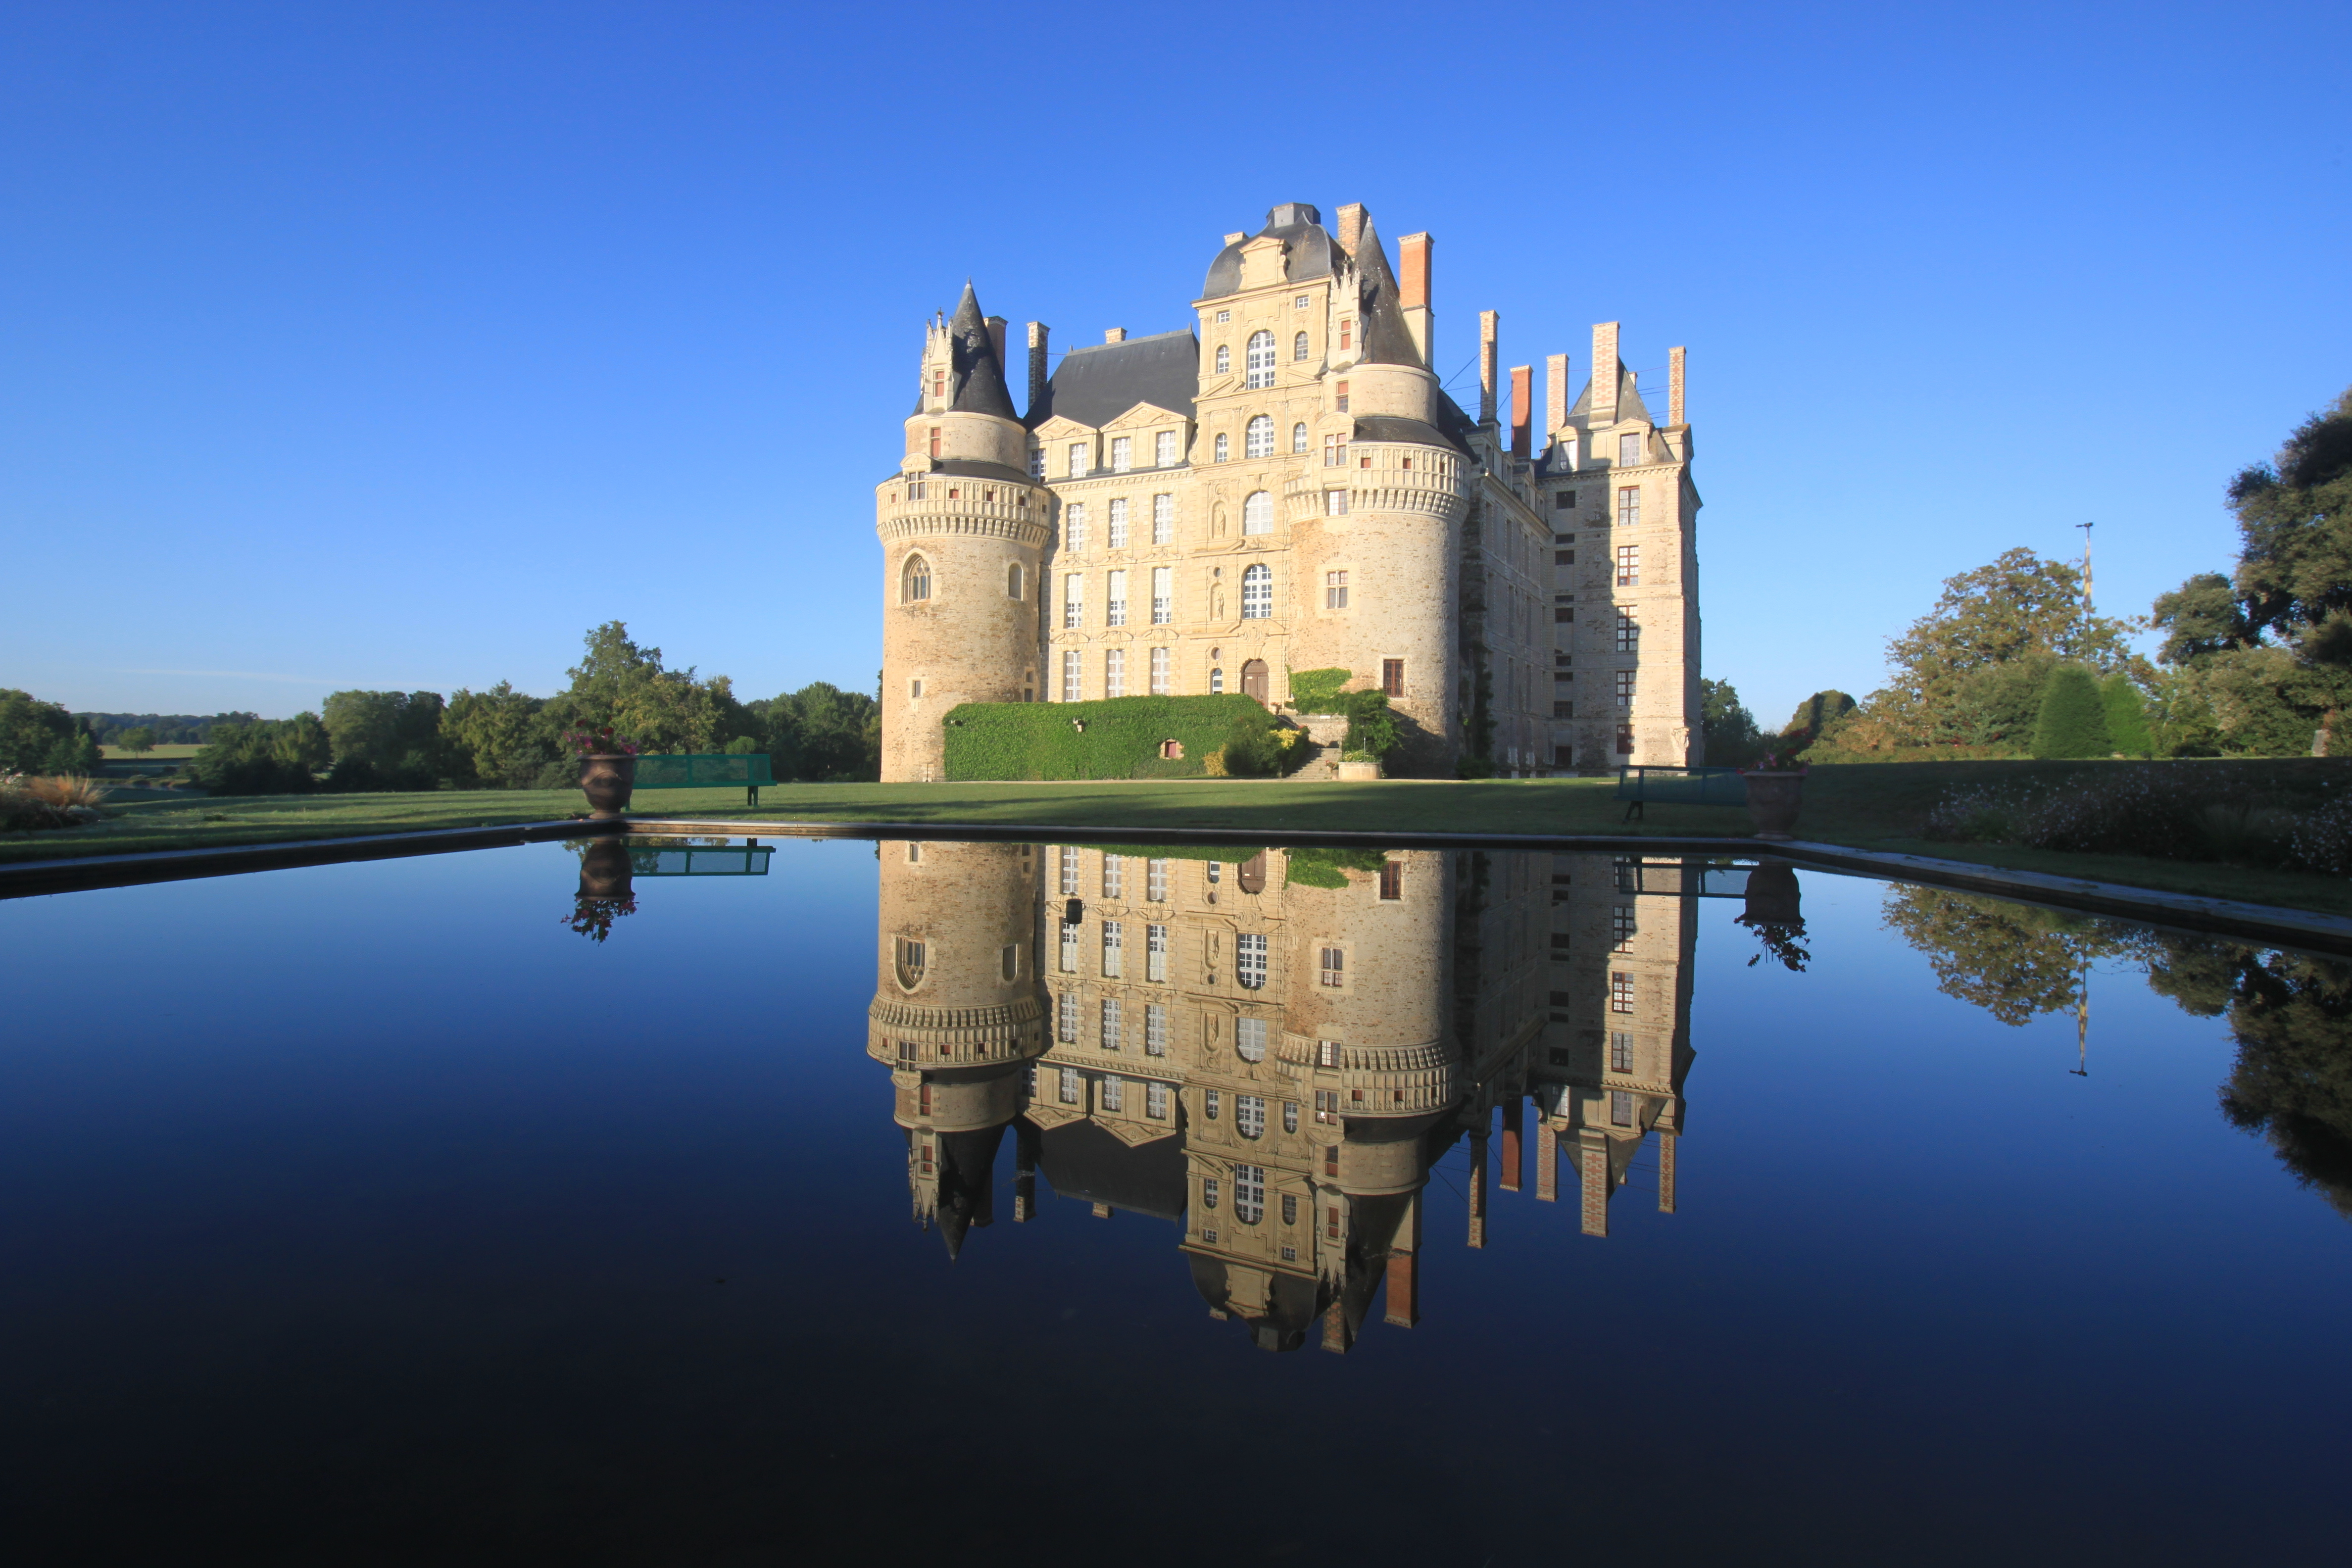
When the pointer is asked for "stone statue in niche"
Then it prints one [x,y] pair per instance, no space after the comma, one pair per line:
[1217,520]
[1216,602]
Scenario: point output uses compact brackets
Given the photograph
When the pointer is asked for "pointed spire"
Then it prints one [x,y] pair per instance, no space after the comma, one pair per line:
[1388,340]
[978,374]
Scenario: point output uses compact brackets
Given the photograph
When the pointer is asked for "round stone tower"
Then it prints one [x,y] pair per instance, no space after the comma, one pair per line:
[964,531]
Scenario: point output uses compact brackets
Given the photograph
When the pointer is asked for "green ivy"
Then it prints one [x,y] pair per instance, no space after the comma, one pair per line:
[1318,690]
[1122,739]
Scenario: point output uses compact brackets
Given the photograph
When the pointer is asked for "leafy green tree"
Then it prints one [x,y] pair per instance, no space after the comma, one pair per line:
[385,740]
[820,732]
[1970,671]
[2199,617]
[1812,717]
[494,738]
[2073,718]
[2014,961]
[137,740]
[2127,715]
[1371,726]
[269,756]
[37,737]
[2294,524]
[663,709]
[1731,731]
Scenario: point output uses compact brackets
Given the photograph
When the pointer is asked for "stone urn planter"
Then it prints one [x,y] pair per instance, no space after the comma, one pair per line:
[1773,797]
[604,870]
[606,781]
[1772,897]
[1359,772]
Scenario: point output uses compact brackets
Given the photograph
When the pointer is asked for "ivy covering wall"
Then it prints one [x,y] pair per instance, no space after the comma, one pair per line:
[1121,740]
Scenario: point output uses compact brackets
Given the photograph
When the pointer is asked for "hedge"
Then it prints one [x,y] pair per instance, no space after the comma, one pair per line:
[1122,739]
[1328,867]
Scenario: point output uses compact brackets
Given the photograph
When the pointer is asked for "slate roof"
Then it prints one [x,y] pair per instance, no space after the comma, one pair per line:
[1629,398]
[1095,385]
[1296,223]
[1387,340]
[1084,1161]
[976,379]
[1391,427]
[967,1163]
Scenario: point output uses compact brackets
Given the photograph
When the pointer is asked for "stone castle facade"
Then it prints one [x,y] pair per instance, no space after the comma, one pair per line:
[1272,1064]
[1285,487]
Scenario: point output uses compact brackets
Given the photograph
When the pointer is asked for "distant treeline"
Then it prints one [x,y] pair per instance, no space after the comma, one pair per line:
[504,739]
[163,729]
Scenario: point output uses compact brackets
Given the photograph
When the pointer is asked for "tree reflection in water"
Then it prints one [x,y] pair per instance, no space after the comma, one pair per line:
[2289,1014]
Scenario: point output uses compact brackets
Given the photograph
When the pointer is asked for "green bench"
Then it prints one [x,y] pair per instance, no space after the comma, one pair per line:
[706,770]
[1679,786]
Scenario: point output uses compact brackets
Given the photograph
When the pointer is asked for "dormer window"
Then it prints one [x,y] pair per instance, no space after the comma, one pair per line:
[1077,459]
[1223,316]
[1629,449]
[1224,359]
[1568,452]
[1036,462]
[938,383]
[1121,454]
[1347,333]
[1163,449]
[1261,359]
[1301,302]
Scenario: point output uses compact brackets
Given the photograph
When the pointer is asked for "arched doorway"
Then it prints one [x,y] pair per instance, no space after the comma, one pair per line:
[1254,679]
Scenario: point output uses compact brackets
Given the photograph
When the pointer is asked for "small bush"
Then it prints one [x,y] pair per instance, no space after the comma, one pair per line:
[1320,690]
[32,802]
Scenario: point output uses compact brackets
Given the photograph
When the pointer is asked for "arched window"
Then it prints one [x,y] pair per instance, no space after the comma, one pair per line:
[1224,446]
[915,581]
[910,962]
[1249,1193]
[1249,1039]
[1298,346]
[1012,583]
[1224,359]
[1249,1115]
[1298,439]
[1259,442]
[1216,689]
[1258,517]
[1261,359]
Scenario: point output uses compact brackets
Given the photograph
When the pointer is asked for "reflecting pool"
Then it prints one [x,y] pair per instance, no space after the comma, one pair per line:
[682,1202]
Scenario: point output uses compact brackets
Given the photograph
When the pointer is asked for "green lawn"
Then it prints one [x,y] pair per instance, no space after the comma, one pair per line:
[1875,806]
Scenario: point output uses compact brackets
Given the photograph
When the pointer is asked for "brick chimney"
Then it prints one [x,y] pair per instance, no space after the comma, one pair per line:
[1038,334]
[1507,1178]
[1413,293]
[1604,372]
[1674,387]
[1488,321]
[1352,226]
[1114,335]
[1522,400]
[1555,391]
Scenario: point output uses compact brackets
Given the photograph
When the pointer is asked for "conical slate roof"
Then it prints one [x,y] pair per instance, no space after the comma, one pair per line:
[976,381]
[1387,340]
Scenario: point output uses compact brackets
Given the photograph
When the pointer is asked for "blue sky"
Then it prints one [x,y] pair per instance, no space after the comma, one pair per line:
[395,346]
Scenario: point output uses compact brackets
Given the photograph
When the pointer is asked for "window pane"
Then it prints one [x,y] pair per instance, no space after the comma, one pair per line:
[1249,1039]
[1257,512]
[1118,524]
[1249,1193]
[1249,960]
[1259,437]
[1249,1115]
[1261,359]
[1163,520]
[1257,593]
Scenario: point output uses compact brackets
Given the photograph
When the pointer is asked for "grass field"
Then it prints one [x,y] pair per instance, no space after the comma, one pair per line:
[152,754]
[1875,806]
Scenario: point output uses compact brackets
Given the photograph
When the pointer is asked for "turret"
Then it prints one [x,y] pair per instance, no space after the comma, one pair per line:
[964,531]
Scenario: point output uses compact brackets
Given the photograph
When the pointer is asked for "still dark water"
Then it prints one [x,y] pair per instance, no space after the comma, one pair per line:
[373,1214]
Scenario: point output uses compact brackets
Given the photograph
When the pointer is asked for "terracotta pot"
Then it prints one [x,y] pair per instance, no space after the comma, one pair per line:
[1772,802]
[606,781]
[1772,898]
[1358,772]
[604,870]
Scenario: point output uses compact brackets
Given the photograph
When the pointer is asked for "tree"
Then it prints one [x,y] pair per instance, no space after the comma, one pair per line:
[2074,719]
[494,737]
[1970,671]
[385,740]
[1729,729]
[663,709]
[2295,521]
[137,740]
[1813,716]
[2127,715]
[820,732]
[37,737]
[2201,617]
[271,756]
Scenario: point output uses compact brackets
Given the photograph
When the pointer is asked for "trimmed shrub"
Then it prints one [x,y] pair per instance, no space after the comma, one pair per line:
[1328,867]
[1319,690]
[2126,716]
[1122,739]
[273,756]
[2073,720]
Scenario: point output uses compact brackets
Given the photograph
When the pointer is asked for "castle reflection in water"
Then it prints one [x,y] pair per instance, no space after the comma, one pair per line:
[1270,1053]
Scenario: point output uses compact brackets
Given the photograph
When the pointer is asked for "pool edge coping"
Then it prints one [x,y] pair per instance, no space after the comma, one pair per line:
[2195,911]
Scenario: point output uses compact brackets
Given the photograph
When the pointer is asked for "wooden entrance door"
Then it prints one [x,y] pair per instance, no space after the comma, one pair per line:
[1254,679]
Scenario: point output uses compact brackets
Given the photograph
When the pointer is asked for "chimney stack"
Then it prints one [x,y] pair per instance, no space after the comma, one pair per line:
[1235,238]
[1674,387]
[996,338]
[1114,335]
[1037,333]
[1478,1189]
[1604,372]
[1508,1178]
[1413,294]
[1487,321]
[1522,408]
[1555,391]
[1352,226]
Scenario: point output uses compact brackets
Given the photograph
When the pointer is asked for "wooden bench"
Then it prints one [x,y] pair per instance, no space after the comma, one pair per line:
[1638,786]
[706,770]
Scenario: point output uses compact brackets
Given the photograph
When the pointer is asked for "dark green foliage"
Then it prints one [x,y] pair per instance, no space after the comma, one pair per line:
[2201,617]
[137,740]
[37,737]
[1251,749]
[1122,739]
[385,740]
[2294,524]
[2127,715]
[270,756]
[1478,734]
[1812,717]
[169,728]
[2074,720]
[819,733]
[1732,737]
[1319,690]
[1328,867]
[497,738]
[663,709]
